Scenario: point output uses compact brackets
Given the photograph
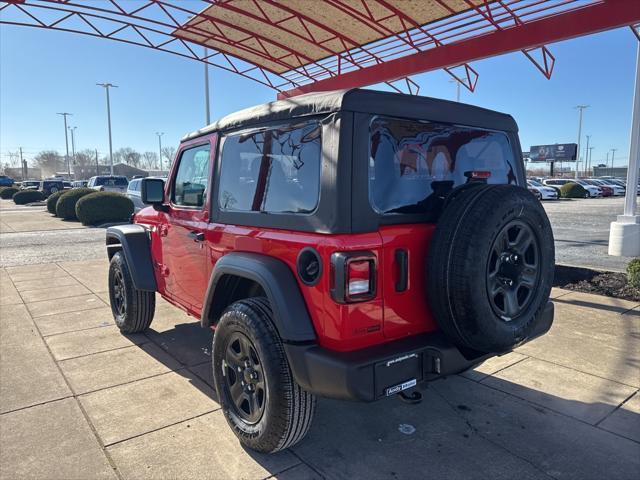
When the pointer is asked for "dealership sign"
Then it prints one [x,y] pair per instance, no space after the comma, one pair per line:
[560,152]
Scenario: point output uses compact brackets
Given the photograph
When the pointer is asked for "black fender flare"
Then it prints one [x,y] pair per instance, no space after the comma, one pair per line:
[290,313]
[133,241]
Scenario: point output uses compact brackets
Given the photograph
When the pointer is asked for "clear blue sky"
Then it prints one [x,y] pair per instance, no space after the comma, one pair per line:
[44,72]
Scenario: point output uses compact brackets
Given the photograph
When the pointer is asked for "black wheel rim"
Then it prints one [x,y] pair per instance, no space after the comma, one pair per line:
[513,270]
[119,293]
[244,380]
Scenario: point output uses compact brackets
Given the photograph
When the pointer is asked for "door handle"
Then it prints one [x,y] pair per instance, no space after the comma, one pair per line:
[402,258]
[197,236]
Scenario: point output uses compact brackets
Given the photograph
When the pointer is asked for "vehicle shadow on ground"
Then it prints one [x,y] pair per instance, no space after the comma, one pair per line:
[462,428]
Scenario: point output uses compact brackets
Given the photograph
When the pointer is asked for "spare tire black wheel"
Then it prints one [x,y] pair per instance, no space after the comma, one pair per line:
[490,267]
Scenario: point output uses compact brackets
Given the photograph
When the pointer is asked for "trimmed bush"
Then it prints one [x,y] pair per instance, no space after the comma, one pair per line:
[633,272]
[66,205]
[22,197]
[102,207]
[572,190]
[52,200]
[8,192]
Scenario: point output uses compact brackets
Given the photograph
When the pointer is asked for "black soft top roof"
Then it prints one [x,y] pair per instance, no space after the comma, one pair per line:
[365,101]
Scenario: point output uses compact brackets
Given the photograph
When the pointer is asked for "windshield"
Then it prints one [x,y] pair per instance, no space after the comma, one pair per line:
[112,181]
[535,183]
[414,165]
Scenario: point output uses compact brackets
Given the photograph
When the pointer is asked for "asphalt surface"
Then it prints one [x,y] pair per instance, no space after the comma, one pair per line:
[24,248]
[581,231]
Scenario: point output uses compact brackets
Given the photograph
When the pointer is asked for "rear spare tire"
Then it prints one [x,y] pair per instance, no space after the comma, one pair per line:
[490,267]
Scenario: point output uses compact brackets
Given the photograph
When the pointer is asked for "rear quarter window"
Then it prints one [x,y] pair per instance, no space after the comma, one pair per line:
[414,165]
[272,170]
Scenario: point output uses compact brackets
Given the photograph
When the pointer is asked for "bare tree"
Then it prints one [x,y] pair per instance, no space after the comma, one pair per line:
[128,155]
[49,162]
[150,160]
[168,153]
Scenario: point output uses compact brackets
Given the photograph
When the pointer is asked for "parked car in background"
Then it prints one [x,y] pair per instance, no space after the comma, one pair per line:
[79,183]
[6,181]
[67,185]
[109,183]
[615,187]
[30,185]
[47,187]
[134,192]
[543,192]
[592,190]
[607,190]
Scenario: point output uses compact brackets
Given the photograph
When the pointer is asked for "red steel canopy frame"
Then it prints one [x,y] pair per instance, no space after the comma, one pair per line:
[299,46]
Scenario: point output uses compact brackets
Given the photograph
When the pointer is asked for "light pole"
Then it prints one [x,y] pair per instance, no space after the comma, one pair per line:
[590,155]
[73,143]
[586,155]
[206,87]
[613,155]
[106,87]
[457,82]
[159,134]
[66,142]
[580,108]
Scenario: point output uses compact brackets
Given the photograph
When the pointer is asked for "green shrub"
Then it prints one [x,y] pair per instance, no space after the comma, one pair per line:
[572,190]
[633,272]
[66,205]
[8,192]
[22,197]
[52,200]
[102,207]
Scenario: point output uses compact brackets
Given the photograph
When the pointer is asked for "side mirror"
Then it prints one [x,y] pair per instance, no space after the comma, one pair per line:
[152,191]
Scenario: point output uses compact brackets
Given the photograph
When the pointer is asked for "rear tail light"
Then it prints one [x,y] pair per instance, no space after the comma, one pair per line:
[353,276]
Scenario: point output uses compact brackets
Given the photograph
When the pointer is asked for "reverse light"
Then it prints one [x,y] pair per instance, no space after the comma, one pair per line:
[353,276]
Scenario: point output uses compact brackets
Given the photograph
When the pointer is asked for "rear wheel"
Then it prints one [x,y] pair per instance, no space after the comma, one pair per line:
[132,309]
[265,407]
[490,267]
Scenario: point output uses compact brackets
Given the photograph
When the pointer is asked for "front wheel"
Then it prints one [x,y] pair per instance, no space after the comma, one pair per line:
[265,407]
[132,309]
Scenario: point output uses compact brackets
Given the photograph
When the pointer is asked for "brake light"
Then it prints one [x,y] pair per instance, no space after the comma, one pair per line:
[478,174]
[353,276]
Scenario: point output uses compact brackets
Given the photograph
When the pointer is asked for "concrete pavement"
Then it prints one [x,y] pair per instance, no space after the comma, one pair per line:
[80,400]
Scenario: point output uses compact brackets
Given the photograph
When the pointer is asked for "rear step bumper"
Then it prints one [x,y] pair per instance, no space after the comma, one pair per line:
[372,373]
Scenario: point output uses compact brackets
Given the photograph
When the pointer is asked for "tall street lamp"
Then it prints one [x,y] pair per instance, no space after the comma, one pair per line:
[580,108]
[66,142]
[206,87]
[159,134]
[73,143]
[106,87]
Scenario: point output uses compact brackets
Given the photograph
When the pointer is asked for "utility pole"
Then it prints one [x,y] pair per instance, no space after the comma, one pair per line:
[580,108]
[159,134]
[66,142]
[106,87]
[586,156]
[590,156]
[206,87]
[97,165]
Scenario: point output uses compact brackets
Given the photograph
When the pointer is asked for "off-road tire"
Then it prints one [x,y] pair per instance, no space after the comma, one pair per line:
[133,311]
[288,410]
[462,258]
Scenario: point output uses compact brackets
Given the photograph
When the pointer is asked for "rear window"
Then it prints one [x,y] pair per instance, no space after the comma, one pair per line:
[413,165]
[111,181]
[273,170]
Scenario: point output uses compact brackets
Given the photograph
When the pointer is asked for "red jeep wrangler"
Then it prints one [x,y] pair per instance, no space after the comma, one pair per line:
[350,244]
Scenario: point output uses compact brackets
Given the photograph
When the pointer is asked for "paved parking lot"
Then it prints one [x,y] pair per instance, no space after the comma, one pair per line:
[78,400]
[581,231]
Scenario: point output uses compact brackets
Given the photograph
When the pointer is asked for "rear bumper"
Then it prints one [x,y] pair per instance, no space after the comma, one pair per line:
[372,373]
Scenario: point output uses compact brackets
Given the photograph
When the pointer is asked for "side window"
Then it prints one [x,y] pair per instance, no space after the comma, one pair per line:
[191,180]
[273,170]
